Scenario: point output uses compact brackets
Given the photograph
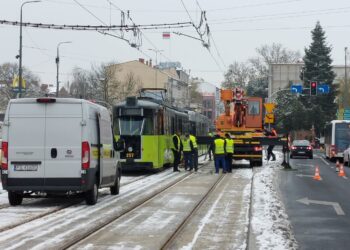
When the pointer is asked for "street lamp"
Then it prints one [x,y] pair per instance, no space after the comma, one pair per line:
[20,49]
[57,64]
[156,51]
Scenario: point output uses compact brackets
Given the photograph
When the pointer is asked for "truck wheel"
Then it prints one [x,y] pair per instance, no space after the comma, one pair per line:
[259,163]
[15,199]
[91,196]
[115,188]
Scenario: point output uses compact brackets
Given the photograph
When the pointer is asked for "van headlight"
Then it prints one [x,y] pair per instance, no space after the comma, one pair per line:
[129,149]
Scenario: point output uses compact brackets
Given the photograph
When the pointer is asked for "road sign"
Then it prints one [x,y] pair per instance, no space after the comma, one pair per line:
[323,88]
[269,118]
[296,89]
[269,107]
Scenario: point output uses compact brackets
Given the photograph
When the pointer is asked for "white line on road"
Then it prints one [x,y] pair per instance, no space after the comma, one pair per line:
[335,205]
[307,175]
[324,161]
[304,165]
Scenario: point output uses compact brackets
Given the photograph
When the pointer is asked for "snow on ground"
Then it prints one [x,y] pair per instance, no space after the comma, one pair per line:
[270,224]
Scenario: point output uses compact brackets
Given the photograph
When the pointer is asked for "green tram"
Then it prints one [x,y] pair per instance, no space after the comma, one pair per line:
[146,125]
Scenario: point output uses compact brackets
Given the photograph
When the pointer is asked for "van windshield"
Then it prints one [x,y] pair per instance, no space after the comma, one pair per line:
[130,125]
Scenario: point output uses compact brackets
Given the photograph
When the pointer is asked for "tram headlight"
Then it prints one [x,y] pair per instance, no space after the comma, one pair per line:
[129,149]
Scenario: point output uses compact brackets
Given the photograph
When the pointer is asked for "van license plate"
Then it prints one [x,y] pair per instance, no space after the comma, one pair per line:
[26,167]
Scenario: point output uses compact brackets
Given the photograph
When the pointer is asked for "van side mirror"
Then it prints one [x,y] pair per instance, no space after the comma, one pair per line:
[119,145]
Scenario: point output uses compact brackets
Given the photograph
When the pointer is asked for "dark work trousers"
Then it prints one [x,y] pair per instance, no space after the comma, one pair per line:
[188,156]
[229,162]
[270,153]
[210,151]
[195,159]
[177,156]
[219,160]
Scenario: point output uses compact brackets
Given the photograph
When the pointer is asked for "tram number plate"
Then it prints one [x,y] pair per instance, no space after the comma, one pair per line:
[130,155]
[26,167]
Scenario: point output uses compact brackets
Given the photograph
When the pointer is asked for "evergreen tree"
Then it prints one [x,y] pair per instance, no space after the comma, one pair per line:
[317,59]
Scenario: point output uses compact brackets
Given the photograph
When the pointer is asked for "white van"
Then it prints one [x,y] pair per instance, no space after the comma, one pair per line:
[57,146]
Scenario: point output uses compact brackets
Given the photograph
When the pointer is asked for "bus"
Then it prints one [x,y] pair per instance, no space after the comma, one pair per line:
[336,139]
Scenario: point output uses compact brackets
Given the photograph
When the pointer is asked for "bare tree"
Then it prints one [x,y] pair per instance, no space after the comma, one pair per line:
[79,86]
[130,86]
[8,72]
[237,75]
[274,53]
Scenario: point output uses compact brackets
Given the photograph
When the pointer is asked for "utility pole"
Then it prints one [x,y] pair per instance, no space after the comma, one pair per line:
[346,101]
[57,64]
[20,77]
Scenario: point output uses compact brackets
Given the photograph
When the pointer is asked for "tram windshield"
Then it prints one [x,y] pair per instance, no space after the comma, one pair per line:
[130,125]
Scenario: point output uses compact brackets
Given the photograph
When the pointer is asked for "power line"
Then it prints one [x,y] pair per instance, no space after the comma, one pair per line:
[92,14]
[99,27]
[282,15]
[212,38]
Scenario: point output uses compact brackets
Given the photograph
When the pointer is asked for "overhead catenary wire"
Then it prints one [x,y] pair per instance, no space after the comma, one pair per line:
[98,27]
[212,38]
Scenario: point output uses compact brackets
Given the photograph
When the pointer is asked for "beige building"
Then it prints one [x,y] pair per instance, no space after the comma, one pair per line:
[142,74]
[281,74]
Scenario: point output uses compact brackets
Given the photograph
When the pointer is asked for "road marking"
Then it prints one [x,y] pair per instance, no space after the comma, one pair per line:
[307,175]
[304,165]
[324,161]
[335,205]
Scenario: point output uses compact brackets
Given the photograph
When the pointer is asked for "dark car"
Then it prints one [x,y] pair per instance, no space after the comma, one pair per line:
[301,148]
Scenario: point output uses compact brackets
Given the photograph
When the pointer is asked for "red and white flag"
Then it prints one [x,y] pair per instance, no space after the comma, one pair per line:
[166,35]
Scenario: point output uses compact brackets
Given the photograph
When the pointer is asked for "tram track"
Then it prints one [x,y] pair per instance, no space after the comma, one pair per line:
[72,244]
[70,223]
[195,209]
[36,202]
[98,238]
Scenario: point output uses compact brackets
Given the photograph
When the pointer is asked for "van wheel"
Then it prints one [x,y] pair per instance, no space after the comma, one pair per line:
[91,196]
[115,188]
[15,199]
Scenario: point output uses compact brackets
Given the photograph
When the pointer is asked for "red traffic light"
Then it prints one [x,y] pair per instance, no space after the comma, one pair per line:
[313,84]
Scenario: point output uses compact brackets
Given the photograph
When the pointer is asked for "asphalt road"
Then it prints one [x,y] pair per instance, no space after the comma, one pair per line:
[321,217]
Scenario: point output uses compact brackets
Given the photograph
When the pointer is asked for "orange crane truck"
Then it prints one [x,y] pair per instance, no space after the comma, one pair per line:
[243,120]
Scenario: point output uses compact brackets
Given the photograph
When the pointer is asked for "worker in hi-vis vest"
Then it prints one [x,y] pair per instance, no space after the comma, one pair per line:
[229,152]
[188,152]
[219,146]
[195,152]
[176,148]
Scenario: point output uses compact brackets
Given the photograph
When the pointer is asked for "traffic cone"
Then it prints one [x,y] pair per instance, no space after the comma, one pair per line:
[317,174]
[337,166]
[341,172]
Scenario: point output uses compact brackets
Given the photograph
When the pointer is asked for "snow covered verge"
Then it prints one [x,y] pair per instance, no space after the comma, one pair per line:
[271,228]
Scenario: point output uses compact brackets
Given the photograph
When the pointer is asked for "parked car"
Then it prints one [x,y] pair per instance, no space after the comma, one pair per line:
[56,146]
[301,148]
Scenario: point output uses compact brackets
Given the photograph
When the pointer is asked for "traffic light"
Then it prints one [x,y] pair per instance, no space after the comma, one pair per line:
[313,88]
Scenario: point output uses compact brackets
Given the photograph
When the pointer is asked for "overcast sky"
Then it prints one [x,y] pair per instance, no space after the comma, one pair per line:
[237,26]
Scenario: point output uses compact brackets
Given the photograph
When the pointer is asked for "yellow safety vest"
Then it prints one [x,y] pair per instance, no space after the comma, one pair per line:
[194,141]
[229,145]
[186,145]
[178,143]
[219,146]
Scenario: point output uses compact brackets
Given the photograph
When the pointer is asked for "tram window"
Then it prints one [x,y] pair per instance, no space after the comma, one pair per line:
[160,122]
[131,125]
[148,126]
